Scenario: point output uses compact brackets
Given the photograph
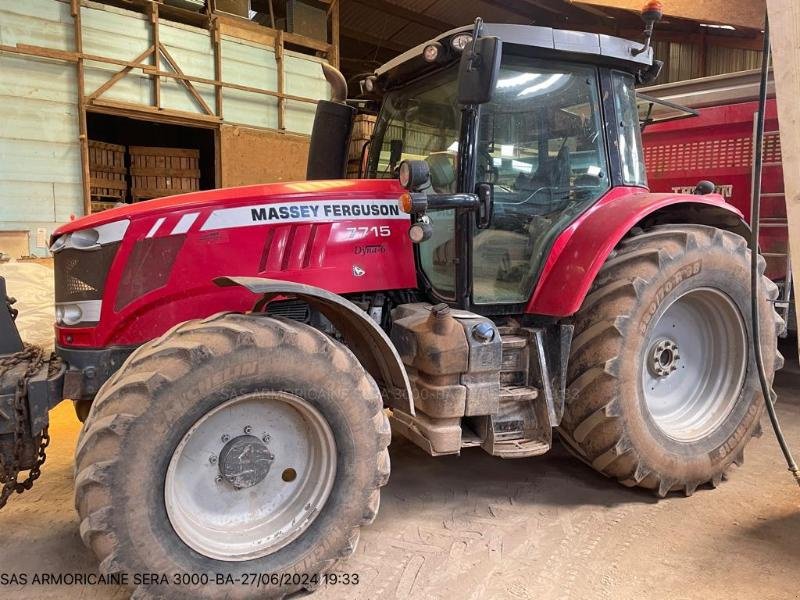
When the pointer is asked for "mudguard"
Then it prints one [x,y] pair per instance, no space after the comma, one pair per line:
[579,251]
[364,337]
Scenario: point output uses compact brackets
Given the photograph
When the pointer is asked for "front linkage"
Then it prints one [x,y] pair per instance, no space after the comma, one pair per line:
[29,386]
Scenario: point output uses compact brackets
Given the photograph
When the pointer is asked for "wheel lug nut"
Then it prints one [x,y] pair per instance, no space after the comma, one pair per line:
[248,429]
[218,479]
[266,437]
[225,438]
[212,459]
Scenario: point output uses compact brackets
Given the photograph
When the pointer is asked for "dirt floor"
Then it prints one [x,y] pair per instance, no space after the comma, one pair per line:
[478,527]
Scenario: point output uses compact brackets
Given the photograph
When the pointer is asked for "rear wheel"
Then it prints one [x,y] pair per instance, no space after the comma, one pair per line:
[231,446]
[663,390]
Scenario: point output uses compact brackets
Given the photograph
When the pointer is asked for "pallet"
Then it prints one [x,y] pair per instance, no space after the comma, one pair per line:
[158,172]
[107,171]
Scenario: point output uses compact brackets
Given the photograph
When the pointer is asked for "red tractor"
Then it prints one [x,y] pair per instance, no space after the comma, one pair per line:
[502,272]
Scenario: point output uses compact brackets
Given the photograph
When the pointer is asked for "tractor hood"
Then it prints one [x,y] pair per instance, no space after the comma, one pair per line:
[268,193]
[126,275]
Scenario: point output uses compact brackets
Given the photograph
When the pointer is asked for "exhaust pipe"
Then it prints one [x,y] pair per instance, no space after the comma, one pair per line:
[337,82]
[330,136]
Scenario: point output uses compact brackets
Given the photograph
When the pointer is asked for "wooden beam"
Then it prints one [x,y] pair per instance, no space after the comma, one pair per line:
[413,16]
[83,129]
[151,113]
[334,57]
[186,83]
[784,23]
[514,8]
[739,13]
[279,63]
[156,58]
[216,38]
[136,62]
[373,40]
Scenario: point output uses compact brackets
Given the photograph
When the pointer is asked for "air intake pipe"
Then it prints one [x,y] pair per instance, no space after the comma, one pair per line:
[330,136]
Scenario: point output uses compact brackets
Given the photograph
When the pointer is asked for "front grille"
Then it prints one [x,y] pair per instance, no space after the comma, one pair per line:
[81,274]
[297,310]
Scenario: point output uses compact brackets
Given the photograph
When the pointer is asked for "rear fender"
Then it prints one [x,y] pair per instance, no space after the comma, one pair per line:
[363,336]
[579,252]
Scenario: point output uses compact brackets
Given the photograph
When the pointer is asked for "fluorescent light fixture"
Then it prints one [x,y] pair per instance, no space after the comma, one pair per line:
[507,150]
[541,86]
[517,80]
[518,165]
[714,26]
[453,147]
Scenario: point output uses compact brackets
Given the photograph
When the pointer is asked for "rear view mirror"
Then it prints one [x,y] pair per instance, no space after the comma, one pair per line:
[477,73]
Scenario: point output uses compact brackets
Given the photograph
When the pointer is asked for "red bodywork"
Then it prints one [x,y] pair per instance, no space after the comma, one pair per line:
[580,251]
[216,233]
[717,145]
[335,253]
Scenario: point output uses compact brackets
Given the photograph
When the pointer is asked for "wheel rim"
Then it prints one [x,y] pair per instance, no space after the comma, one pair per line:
[694,364]
[250,476]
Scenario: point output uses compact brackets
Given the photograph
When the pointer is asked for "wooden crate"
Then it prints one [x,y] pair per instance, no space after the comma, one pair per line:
[98,206]
[157,172]
[362,131]
[107,171]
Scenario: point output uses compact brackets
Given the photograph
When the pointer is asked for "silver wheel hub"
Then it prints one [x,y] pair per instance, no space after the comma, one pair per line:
[250,476]
[695,363]
[664,358]
[245,461]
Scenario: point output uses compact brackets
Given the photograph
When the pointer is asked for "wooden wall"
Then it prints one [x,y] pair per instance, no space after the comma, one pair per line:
[249,156]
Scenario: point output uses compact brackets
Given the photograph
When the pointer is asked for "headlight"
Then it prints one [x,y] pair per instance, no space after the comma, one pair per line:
[431,52]
[459,41]
[68,314]
[58,244]
[84,238]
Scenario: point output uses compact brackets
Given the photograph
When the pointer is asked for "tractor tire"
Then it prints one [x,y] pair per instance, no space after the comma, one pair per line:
[663,391]
[239,448]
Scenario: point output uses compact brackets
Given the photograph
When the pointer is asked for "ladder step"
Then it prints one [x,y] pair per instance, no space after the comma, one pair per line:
[518,393]
[514,342]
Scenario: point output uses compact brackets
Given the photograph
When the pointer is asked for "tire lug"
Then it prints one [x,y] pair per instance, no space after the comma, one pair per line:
[218,479]
[248,430]
[225,438]
[212,459]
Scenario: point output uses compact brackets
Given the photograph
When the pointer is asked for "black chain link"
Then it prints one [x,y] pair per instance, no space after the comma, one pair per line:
[9,473]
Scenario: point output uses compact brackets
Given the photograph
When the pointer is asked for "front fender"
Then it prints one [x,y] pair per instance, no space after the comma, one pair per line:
[364,337]
[579,252]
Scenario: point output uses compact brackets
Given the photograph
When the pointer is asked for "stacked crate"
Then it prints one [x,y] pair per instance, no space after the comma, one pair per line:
[157,172]
[107,183]
[362,132]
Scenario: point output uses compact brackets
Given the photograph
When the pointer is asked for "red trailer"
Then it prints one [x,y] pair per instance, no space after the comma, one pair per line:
[716,144]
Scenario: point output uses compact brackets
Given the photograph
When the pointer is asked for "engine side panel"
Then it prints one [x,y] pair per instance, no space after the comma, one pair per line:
[344,237]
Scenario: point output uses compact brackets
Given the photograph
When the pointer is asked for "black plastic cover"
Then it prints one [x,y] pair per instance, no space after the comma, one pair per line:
[330,137]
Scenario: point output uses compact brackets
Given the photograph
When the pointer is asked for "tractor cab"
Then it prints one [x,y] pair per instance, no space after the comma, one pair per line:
[539,123]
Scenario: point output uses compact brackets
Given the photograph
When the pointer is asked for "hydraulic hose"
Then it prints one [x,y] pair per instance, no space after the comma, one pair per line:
[755,216]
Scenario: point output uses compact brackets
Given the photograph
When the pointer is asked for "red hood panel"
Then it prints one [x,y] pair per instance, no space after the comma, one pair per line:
[266,193]
[347,237]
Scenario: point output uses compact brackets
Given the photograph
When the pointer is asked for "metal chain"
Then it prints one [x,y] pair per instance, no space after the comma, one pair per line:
[9,473]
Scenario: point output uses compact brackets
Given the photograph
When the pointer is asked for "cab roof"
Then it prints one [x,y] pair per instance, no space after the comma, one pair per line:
[577,44]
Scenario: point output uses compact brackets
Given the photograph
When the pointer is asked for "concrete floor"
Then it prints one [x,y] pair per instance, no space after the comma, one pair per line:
[478,527]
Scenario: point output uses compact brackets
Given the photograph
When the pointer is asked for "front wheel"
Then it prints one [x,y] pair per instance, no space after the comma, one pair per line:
[664,392]
[232,446]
